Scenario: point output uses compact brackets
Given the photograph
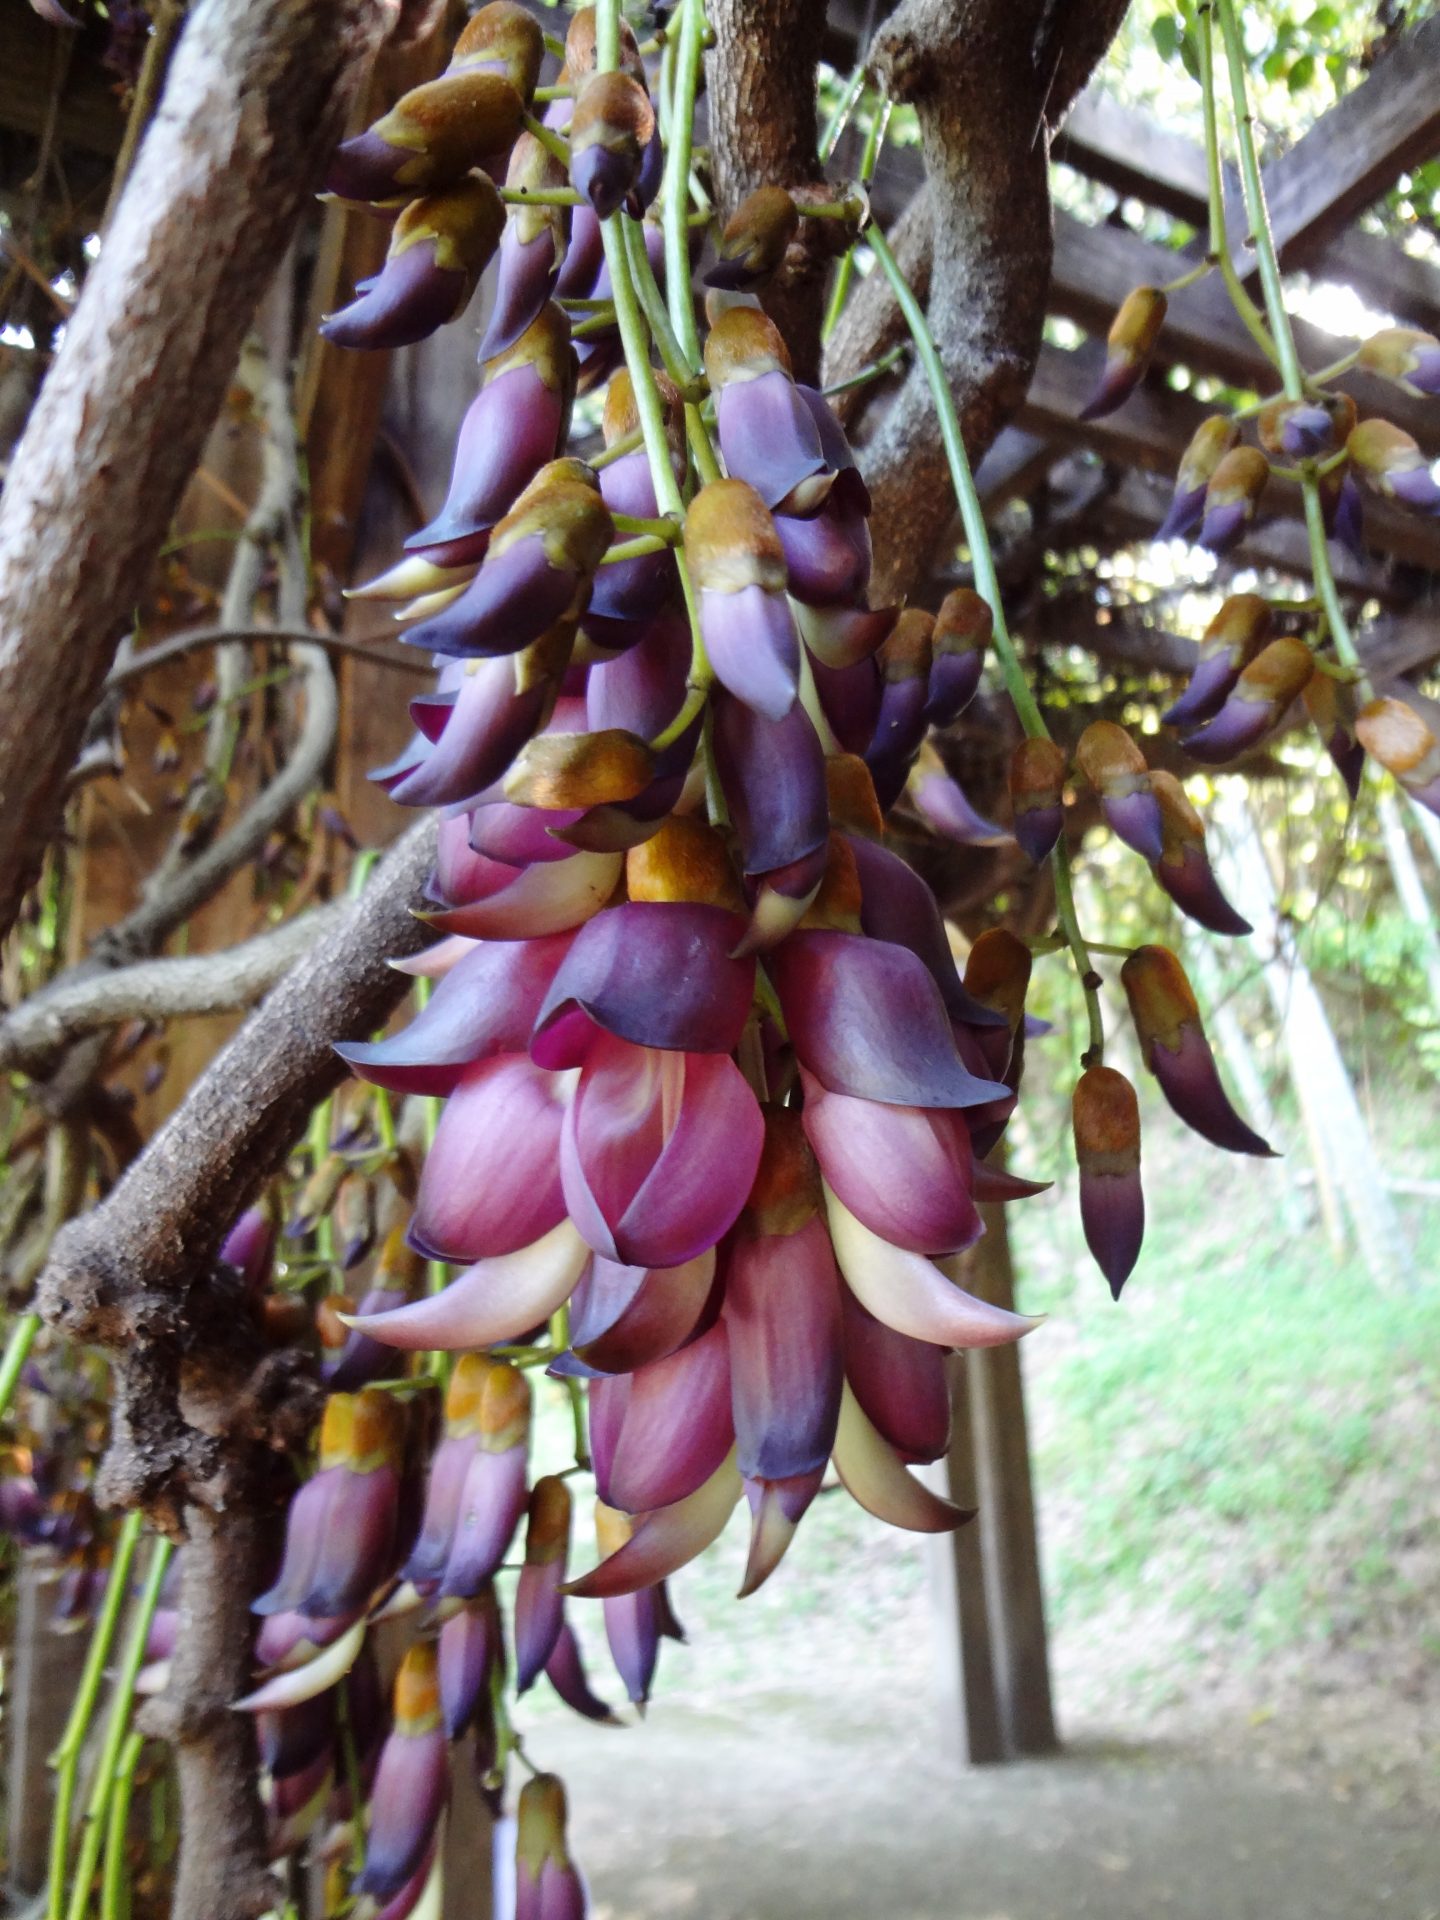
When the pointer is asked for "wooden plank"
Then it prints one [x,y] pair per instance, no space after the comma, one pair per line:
[1126,150]
[969,1712]
[1150,432]
[1388,124]
[37,57]
[1095,267]
[1010,1549]
[1013,466]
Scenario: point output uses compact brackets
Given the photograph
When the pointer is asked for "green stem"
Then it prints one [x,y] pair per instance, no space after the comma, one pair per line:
[675,201]
[549,139]
[1291,372]
[840,292]
[665,531]
[875,371]
[845,106]
[634,549]
[1244,306]
[627,443]
[115,1882]
[17,1352]
[987,584]
[652,302]
[541,197]
[66,1757]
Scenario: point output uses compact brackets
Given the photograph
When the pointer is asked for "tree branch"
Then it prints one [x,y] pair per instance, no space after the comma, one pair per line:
[157,990]
[257,94]
[760,79]
[985,78]
[176,645]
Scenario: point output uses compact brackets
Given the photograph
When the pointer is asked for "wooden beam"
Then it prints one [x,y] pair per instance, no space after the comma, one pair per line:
[1128,151]
[1095,267]
[1358,150]
[1150,432]
[965,1670]
[37,62]
[1015,464]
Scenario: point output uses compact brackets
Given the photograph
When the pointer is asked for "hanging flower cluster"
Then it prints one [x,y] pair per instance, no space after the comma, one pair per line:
[718,1101]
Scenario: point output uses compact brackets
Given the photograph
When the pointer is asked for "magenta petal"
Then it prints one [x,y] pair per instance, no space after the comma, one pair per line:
[900,1383]
[1135,818]
[1000,1185]
[626,1317]
[652,972]
[642,689]
[492,1301]
[950,812]
[904,1171]
[521,836]
[513,599]
[850,699]
[492,1502]
[409,299]
[499,902]
[1210,686]
[491,1180]
[896,904]
[1191,884]
[566,1674]
[866,1017]
[633,1631]
[1037,829]
[525,273]
[677,1426]
[782,1311]
[486,1004]
[538,1609]
[659,1151]
[910,1294]
[665,1540]
[469,1648]
[1190,1083]
[773,776]
[606,1401]
[304,1531]
[513,426]
[776,1509]
[356,1544]
[444,1485]
[768,435]
[753,646]
[405,1803]
[1112,1212]
[827,557]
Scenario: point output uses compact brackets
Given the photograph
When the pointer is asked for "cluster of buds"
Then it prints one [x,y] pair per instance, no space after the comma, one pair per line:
[1249,678]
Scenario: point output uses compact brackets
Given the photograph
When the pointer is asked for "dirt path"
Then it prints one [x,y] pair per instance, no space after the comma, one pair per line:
[786,1809]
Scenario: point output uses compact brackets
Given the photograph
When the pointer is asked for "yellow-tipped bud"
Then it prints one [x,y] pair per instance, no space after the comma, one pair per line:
[1110,759]
[1208,446]
[1162,1001]
[1105,1114]
[997,973]
[547,1533]
[417,1690]
[580,769]
[850,789]
[964,623]
[908,647]
[502,34]
[787,1194]
[742,345]
[731,542]
[1392,732]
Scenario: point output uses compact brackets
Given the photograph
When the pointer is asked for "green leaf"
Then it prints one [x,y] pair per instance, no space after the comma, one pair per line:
[1301,74]
[1190,56]
[1323,20]
[1274,66]
[1166,35]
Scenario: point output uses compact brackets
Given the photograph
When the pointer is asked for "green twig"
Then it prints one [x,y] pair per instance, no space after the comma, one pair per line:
[17,1352]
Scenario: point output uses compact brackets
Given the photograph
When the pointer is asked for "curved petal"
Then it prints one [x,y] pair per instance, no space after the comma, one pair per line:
[910,1294]
[521,836]
[773,776]
[296,1684]
[485,1004]
[899,1382]
[676,1428]
[566,1674]
[514,598]
[896,905]
[488,724]
[664,1541]
[768,435]
[753,646]
[492,1503]
[874,1476]
[491,1179]
[525,903]
[658,1152]
[512,427]
[492,1301]
[866,1017]
[652,972]
[776,1510]
[782,1310]
[406,1800]
[904,1171]
[626,1317]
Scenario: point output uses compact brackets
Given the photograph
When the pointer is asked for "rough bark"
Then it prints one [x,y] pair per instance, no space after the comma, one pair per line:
[137,1276]
[256,97]
[760,79]
[987,78]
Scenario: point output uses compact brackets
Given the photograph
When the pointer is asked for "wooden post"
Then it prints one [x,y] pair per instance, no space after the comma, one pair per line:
[995,1666]
[969,1714]
[44,1672]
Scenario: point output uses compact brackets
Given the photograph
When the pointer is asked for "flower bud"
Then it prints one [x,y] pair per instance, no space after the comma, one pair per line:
[1231,497]
[1106,1119]
[1037,783]
[538,1603]
[768,435]
[1404,741]
[1304,429]
[1405,355]
[1331,708]
[738,567]
[439,248]
[430,138]
[1230,642]
[503,38]
[1262,693]
[1388,460]
[905,660]
[1116,769]
[1174,1047]
[579,769]
[547,1887]
[1209,444]
[412,1781]
[962,632]
[1131,340]
[685,861]
[532,247]
[1183,869]
[754,240]
[612,125]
